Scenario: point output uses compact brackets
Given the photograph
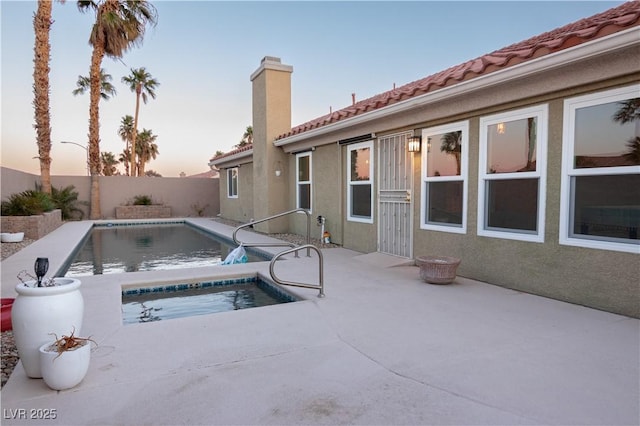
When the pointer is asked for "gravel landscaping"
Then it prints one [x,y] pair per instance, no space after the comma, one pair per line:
[9,351]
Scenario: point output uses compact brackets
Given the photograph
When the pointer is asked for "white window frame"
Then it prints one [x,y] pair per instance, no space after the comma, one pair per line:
[462,126]
[350,149]
[229,179]
[304,182]
[541,112]
[569,171]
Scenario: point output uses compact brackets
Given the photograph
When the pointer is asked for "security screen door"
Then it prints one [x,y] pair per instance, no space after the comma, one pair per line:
[395,217]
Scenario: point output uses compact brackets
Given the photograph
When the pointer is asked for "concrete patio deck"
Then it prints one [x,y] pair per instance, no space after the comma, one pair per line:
[381,348]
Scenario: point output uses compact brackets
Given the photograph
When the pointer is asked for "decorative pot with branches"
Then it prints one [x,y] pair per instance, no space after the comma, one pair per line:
[43,306]
[64,363]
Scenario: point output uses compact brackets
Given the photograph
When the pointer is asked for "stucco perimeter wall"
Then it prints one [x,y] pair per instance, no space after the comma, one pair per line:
[241,208]
[14,181]
[185,195]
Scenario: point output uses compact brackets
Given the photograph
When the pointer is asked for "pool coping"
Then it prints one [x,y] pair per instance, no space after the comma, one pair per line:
[66,239]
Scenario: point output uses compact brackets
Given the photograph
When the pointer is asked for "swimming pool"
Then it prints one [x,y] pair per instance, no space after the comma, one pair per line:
[125,247]
[157,303]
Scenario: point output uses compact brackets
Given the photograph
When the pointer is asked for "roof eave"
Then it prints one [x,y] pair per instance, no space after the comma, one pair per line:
[583,51]
[233,159]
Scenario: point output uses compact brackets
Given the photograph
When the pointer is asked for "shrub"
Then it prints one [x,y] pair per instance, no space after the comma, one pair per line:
[27,203]
[35,202]
[142,200]
[66,200]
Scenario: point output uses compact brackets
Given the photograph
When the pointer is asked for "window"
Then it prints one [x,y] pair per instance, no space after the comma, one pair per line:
[444,178]
[360,182]
[232,182]
[512,174]
[600,192]
[303,181]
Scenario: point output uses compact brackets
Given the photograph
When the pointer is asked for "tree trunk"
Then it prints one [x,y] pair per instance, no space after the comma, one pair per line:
[141,171]
[95,198]
[126,160]
[42,50]
[135,131]
[94,129]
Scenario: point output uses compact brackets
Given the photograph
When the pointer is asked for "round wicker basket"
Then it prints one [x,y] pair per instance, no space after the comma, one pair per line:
[437,269]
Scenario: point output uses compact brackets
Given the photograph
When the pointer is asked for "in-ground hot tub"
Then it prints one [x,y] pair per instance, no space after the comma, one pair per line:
[167,301]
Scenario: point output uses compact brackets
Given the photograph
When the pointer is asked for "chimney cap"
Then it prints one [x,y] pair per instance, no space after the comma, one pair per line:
[270,59]
[271,63]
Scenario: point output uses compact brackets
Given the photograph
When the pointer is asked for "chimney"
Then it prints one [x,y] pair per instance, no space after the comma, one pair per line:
[353,99]
[271,91]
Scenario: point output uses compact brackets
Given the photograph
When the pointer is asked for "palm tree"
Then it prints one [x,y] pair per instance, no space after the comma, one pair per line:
[119,25]
[66,199]
[125,131]
[633,151]
[628,111]
[106,88]
[42,26]
[532,130]
[124,159]
[247,137]
[450,143]
[147,149]
[109,163]
[140,82]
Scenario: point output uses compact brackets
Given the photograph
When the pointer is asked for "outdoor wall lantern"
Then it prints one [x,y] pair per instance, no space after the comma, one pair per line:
[414,143]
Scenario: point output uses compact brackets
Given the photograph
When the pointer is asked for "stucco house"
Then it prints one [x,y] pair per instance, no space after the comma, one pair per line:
[524,163]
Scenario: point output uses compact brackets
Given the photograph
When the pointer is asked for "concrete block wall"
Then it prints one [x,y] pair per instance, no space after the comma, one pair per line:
[143,212]
[34,227]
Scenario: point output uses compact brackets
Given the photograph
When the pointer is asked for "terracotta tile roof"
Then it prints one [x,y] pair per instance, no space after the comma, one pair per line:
[611,21]
[246,147]
[208,174]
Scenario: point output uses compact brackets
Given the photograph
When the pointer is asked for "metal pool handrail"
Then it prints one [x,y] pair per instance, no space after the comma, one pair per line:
[293,249]
[275,216]
[319,286]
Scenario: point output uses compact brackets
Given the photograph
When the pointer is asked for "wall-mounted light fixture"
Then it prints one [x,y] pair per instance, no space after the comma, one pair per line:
[501,128]
[278,168]
[414,143]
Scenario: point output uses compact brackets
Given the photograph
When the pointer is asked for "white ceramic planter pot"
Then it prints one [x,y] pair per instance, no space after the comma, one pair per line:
[39,311]
[12,237]
[64,370]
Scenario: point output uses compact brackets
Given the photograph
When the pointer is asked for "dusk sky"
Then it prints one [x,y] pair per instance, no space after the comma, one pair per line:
[203,53]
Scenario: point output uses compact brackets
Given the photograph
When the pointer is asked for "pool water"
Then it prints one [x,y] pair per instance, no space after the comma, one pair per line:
[183,300]
[111,249]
